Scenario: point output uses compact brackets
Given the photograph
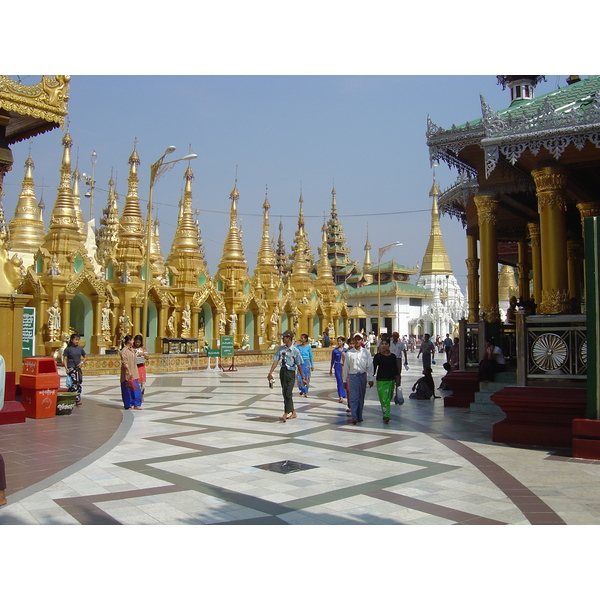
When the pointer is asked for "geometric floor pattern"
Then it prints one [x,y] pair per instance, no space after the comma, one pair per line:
[208,449]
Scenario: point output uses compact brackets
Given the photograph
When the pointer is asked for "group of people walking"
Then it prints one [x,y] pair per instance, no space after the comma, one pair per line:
[354,368]
[133,356]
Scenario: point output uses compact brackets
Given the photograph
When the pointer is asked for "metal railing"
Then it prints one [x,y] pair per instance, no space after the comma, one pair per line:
[471,342]
[551,347]
[469,335]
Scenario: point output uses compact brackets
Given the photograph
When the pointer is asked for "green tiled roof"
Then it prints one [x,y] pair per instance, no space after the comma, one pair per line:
[405,289]
[388,266]
[578,95]
[570,115]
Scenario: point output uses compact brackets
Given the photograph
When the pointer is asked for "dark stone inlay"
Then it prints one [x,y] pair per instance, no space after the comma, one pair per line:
[285,466]
[452,514]
[83,508]
[264,419]
[519,494]
[270,520]
[168,381]
[88,514]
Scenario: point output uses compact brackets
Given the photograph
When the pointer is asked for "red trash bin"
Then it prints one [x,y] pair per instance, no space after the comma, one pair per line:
[39,387]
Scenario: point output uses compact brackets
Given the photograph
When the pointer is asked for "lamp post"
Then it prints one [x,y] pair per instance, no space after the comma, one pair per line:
[156,170]
[380,253]
[89,180]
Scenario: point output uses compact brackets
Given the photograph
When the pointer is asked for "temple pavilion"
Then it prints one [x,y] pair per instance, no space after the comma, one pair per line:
[528,179]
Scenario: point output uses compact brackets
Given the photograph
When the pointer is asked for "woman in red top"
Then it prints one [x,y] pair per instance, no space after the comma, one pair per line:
[141,355]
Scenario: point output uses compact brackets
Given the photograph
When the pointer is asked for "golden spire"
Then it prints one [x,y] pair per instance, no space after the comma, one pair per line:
[107,234]
[185,254]
[301,235]
[435,261]
[333,203]
[77,202]
[131,244]
[63,215]
[283,265]
[301,212]
[63,237]
[199,238]
[266,261]
[186,234]
[324,270]
[233,251]
[301,259]
[156,258]
[339,254]
[27,228]
[367,264]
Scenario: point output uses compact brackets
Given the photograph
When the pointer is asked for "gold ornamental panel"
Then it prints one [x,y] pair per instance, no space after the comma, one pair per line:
[552,200]
[555,302]
[533,231]
[47,100]
[486,209]
[491,313]
[549,179]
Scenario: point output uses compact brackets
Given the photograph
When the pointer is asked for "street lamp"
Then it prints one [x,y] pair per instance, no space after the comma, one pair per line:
[89,180]
[380,253]
[158,169]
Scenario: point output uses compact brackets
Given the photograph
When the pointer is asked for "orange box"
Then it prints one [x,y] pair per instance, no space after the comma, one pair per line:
[39,373]
[39,404]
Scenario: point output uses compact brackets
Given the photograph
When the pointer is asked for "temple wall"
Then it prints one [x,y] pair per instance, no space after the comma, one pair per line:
[110,364]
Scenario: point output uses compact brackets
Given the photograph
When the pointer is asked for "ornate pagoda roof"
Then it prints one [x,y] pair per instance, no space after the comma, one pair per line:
[552,121]
[33,109]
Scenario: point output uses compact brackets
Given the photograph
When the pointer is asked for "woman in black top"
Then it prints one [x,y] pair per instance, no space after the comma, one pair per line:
[385,367]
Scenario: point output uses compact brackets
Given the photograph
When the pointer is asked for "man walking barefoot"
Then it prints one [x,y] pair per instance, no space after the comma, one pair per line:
[357,369]
[291,361]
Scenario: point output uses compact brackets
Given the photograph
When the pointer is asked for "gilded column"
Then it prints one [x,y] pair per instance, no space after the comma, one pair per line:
[588,209]
[194,319]
[487,206]
[66,314]
[472,278]
[523,269]
[241,327]
[136,320]
[40,348]
[97,304]
[161,331]
[533,230]
[310,324]
[550,185]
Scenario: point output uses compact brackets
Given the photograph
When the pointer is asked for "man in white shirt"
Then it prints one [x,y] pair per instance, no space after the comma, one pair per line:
[357,370]
[397,347]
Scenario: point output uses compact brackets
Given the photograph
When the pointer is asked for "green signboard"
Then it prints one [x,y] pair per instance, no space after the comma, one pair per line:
[226,346]
[28,330]
[213,353]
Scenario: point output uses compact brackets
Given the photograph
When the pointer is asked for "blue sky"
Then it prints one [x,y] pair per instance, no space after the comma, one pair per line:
[294,99]
[363,134]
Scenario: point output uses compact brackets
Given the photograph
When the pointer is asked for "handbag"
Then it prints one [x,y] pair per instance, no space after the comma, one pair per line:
[131,384]
[69,381]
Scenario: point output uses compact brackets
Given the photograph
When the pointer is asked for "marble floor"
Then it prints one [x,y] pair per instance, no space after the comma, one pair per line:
[208,449]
